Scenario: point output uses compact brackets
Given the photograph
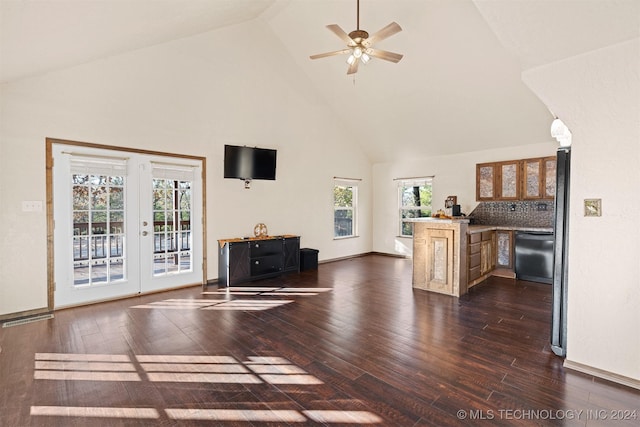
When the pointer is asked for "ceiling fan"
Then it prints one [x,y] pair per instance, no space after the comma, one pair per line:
[359,44]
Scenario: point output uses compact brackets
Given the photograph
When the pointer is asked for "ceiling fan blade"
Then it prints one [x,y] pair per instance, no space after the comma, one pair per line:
[335,52]
[382,34]
[335,29]
[383,54]
[353,68]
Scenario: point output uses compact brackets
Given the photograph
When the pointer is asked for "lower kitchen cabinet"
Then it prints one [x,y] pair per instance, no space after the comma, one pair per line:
[439,264]
[487,252]
[504,256]
[481,252]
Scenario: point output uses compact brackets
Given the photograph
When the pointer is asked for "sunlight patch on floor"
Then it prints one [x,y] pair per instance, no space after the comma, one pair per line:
[343,417]
[167,368]
[229,415]
[94,412]
[263,415]
[231,304]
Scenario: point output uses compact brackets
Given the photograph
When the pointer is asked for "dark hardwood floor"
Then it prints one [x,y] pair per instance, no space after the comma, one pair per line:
[353,344]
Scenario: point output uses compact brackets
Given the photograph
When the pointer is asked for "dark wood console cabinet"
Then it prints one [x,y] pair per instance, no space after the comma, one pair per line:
[244,260]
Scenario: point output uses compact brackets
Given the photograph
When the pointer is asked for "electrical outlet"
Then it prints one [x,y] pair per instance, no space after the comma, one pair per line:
[32,206]
[541,206]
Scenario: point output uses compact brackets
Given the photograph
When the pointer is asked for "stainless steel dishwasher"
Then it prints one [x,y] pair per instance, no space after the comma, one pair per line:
[534,256]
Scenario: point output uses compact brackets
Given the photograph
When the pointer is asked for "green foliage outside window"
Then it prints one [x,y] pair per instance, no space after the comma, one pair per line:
[415,203]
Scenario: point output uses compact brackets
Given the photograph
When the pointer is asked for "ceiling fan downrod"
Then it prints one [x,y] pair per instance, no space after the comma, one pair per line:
[358,35]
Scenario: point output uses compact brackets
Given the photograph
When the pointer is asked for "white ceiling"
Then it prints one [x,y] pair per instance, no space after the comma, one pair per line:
[457,89]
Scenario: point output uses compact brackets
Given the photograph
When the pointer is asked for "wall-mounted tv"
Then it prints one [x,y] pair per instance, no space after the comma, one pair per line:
[249,162]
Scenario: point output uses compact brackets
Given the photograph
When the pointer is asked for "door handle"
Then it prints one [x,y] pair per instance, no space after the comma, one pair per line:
[144,233]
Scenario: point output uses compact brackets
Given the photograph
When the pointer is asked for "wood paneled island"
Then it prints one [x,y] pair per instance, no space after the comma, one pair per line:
[439,255]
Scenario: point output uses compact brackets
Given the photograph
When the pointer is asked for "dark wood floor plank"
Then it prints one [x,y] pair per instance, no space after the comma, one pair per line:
[370,350]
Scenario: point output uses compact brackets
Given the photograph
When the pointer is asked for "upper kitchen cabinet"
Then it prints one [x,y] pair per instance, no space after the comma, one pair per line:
[549,188]
[516,179]
[508,180]
[498,181]
[539,178]
[486,181]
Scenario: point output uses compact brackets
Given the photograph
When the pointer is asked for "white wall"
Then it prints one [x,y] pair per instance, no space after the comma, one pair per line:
[190,96]
[598,96]
[455,175]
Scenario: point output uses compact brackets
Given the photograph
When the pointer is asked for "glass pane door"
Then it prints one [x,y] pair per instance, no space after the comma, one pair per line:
[171,227]
[125,223]
[171,223]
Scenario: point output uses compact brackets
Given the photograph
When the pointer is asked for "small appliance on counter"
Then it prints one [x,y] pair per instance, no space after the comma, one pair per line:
[452,206]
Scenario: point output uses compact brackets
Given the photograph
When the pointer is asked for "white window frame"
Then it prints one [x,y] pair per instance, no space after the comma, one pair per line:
[353,184]
[410,182]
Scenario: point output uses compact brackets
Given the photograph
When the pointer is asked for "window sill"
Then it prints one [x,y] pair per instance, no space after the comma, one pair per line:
[345,237]
[404,237]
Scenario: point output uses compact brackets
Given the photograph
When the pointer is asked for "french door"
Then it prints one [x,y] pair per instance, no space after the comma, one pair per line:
[125,223]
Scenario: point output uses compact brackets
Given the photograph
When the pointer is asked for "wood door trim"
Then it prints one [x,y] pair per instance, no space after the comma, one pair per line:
[49,142]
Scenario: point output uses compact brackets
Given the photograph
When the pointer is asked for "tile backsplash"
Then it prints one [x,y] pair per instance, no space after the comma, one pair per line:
[536,213]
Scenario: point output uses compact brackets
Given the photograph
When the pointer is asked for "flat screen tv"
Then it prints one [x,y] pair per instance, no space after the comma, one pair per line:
[249,162]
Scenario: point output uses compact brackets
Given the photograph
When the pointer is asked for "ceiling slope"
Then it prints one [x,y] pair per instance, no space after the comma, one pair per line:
[40,36]
[542,32]
[457,89]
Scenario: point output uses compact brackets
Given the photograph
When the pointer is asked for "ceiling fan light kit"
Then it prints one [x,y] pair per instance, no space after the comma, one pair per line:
[359,44]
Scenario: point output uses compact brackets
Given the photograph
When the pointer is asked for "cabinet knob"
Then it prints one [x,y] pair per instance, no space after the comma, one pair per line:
[257,262]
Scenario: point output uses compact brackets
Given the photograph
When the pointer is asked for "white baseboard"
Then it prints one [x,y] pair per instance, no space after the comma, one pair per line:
[601,373]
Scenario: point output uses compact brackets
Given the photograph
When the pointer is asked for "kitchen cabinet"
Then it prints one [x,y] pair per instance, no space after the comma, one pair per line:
[508,180]
[549,186]
[513,180]
[481,252]
[487,252]
[474,257]
[498,181]
[504,250]
[486,181]
[439,262]
[539,178]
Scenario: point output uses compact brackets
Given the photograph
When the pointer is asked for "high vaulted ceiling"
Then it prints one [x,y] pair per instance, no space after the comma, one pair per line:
[457,89]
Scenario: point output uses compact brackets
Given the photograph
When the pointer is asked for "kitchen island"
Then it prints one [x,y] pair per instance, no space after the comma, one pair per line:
[450,255]
[439,255]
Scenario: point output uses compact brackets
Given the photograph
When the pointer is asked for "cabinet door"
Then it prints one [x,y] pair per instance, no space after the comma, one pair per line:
[532,170]
[549,185]
[440,260]
[239,267]
[485,181]
[487,252]
[504,255]
[292,254]
[508,180]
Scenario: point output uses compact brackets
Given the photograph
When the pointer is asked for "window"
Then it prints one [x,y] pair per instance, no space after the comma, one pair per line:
[414,199]
[345,202]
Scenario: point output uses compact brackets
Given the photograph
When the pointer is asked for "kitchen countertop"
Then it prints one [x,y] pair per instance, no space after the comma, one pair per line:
[480,228]
[451,220]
